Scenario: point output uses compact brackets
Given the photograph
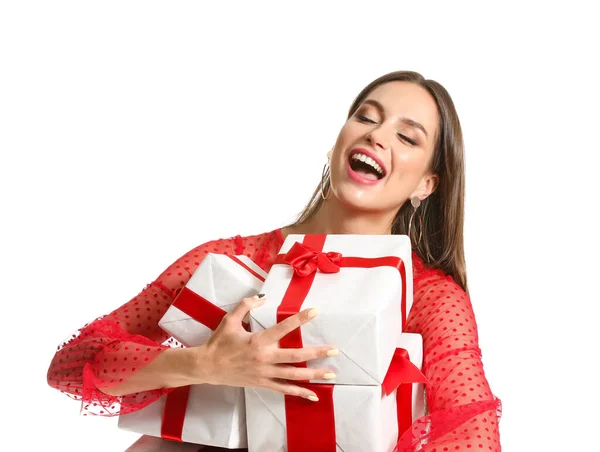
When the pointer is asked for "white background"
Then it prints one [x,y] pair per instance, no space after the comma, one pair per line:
[131,132]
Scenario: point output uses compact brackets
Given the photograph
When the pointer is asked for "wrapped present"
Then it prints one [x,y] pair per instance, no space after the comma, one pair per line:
[362,285]
[346,418]
[217,286]
[202,414]
[199,414]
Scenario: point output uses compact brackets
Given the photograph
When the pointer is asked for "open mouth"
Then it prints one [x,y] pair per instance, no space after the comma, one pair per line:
[366,167]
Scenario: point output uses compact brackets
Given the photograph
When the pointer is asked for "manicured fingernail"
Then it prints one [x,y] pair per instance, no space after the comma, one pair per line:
[333,352]
[313,313]
[329,376]
[259,296]
[313,398]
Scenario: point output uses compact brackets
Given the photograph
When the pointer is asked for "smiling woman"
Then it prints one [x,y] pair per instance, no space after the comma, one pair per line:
[398,157]
[382,130]
[409,127]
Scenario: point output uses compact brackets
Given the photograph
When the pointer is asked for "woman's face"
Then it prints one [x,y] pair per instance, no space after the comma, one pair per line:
[383,152]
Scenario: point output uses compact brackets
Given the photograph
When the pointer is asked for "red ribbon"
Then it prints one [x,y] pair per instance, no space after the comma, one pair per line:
[247,268]
[299,286]
[401,376]
[174,413]
[306,260]
[199,308]
[311,425]
[401,371]
[210,315]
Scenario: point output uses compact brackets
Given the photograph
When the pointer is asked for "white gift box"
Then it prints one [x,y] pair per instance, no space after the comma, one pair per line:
[220,280]
[360,308]
[365,420]
[214,416]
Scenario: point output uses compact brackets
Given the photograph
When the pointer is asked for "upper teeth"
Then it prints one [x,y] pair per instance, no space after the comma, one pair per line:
[369,161]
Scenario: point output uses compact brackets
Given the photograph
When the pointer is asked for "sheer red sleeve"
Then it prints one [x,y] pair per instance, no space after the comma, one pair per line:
[463,412]
[110,349]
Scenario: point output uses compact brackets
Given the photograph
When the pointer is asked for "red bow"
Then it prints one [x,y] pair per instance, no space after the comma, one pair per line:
[401,371]
[306,260]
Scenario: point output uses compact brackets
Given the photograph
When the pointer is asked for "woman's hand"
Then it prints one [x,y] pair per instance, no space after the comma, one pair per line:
[235,357]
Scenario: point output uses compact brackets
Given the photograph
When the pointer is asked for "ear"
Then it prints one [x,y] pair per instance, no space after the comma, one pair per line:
[427,186]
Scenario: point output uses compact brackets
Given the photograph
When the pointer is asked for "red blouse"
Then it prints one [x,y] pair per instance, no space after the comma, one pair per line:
[463,412]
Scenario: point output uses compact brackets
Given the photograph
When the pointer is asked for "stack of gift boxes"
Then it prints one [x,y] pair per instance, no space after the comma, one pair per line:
[362,287]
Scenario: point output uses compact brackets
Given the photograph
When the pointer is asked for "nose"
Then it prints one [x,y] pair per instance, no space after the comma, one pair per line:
[377,140]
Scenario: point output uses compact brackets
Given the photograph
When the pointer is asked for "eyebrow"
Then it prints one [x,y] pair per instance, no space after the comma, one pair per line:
[404,119]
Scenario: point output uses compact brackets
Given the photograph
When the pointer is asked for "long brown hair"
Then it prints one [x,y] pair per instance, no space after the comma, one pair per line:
[441,245]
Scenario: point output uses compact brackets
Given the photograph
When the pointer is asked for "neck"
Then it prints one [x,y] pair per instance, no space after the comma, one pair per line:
[334,218]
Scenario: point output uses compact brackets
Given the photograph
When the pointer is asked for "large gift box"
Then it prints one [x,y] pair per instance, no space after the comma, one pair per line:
[362,286]
[217,286]
[202,414]
[346,418]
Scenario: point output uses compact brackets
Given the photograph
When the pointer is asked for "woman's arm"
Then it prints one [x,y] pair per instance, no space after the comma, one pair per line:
[172,368]
[464,413]
[235,357]
[112,349]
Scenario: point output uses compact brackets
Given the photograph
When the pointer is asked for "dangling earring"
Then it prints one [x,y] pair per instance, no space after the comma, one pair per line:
[326,174]
[416,202]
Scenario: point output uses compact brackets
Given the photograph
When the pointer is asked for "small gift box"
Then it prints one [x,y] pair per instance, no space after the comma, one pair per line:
[362,285]
[217,286]
[346,418]
[202,414]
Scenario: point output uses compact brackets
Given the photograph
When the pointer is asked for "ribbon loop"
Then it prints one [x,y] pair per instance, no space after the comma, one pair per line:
[306,260]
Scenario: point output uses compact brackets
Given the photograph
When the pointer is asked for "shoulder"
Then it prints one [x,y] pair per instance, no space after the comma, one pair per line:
[431,280]
[252,241]
[423,272]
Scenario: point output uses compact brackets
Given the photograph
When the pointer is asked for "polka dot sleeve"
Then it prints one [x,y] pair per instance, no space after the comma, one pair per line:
[463,412]
[113,347]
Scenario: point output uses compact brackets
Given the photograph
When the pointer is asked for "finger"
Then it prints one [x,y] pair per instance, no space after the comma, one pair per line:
[237,314]
[276,332]
[301,373]
[292,390]
[300,355]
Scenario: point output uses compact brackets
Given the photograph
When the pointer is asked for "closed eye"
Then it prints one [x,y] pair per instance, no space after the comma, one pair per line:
[405,138]
[363,118]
